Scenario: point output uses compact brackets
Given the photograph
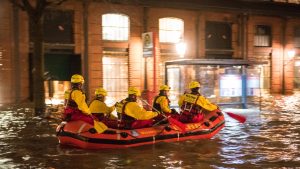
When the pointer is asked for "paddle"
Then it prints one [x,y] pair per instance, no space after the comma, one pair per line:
[237,117]
[99,126]
[171,120]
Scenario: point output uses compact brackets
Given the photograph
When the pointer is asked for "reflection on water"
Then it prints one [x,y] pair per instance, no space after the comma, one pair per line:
[269,139]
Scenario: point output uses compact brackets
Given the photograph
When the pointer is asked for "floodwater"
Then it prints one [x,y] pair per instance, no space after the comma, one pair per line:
[268,139]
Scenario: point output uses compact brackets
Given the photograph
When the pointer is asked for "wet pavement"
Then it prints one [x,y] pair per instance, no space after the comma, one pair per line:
[269,139]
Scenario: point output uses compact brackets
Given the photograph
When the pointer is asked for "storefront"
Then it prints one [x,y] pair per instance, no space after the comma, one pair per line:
[223,81]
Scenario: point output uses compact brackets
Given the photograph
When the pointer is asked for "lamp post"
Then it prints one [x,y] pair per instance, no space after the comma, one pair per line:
[291,55]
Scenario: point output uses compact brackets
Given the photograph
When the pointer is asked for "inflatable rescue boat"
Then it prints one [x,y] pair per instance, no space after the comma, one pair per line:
[77,133]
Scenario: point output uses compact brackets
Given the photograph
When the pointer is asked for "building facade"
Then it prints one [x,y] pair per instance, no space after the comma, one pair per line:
[105,42]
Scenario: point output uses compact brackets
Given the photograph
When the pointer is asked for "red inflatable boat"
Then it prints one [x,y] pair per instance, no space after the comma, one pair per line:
[77,133]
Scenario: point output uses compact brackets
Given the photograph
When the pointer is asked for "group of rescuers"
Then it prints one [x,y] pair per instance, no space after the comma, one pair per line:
[130,114]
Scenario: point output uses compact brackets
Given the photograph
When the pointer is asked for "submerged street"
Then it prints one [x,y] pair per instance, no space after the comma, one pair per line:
[268,139]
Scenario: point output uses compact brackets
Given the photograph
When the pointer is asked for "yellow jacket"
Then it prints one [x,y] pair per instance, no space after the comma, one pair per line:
[79,97]
[98,106]
[132,109]
[201,101]
[164,104]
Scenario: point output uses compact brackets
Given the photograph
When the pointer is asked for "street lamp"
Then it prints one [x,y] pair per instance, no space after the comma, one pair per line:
[291,55]
[181,48]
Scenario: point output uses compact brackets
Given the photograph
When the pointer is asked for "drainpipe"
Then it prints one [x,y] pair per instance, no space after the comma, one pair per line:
[17,72]
[154,62]
[283,40]
[244,35]
[85,5]
[145,25]
[197,36]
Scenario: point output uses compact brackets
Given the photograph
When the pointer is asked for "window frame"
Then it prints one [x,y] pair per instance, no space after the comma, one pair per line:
[164,38]
[116,28]
[260,36]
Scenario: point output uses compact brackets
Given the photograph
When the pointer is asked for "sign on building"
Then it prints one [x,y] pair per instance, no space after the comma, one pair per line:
[147,44]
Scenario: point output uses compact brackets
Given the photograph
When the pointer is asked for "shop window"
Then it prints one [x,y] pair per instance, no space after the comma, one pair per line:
[297,37]
[170,30]
[262,37]
[58,27]
[115,27]
[115,76]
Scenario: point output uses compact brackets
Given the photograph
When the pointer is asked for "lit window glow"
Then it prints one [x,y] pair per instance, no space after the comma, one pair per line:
[181,48]
[170,30]
[115,27]
[291,54]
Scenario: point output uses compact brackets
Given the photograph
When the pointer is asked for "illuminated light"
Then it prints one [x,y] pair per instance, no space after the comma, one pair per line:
[54,101]
[110,101]
[297,63]
[1,64]
[181,48]
[291,54]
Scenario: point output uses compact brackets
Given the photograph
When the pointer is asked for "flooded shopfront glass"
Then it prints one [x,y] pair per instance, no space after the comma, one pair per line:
[221,84]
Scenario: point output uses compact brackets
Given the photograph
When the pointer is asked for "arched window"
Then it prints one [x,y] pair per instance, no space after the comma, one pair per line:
[170,30]
[115,27]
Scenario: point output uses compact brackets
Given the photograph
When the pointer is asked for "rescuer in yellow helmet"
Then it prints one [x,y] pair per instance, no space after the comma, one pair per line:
[131,113]
[161,102]
[76,107]
[98,106]
[192,104]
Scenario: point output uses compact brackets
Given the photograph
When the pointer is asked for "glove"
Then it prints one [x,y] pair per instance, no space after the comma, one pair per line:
[173,111]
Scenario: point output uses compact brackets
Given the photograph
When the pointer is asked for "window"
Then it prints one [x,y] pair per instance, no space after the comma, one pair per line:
[218,40]
[297,37]
[115,76]
[58,27]
[262,37]
[218,35]
[115,27]
[170,30]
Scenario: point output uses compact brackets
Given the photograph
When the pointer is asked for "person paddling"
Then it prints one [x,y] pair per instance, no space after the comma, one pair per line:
[98,106]
[192,104]
[161,103]
[76,106]
[131,114]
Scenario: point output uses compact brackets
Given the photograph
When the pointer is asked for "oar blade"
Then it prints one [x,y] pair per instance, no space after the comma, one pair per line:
[237,117]
[99,126]
[178,124]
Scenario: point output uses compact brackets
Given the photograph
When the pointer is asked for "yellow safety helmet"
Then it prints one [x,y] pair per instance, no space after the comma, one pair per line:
[164,87]
[134,91]
[77,79]
[194,84]
[101,91]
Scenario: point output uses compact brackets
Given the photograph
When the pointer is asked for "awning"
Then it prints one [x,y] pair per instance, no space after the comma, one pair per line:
[227,62]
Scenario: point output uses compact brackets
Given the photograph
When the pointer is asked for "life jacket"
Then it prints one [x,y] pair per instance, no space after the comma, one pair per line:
[100,115]
[156,106]
[71,107]
[70,102]
[122,117]
[189,106]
